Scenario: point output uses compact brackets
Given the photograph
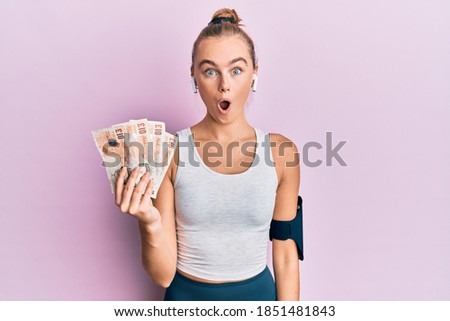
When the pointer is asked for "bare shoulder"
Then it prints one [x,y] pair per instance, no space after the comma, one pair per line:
[285,153]
[284,146]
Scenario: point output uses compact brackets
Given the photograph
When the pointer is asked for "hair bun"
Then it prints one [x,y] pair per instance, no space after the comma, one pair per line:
[225,14]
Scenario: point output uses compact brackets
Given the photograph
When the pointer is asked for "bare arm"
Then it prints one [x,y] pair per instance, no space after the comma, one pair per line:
[284,253]
[156,223]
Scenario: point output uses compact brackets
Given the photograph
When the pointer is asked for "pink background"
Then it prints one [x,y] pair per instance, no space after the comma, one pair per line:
[374,73]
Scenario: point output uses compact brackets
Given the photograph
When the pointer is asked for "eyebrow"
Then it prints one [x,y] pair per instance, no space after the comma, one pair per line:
[212,63]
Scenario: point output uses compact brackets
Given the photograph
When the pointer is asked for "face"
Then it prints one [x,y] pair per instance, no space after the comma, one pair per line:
[223,70]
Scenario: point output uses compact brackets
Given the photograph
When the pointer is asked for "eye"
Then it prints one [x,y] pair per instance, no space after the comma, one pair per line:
[237,71]
[210,72]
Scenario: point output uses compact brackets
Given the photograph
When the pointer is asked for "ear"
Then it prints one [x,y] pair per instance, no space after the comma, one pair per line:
[194,85]
[255,82]
[255,72]
[192,75]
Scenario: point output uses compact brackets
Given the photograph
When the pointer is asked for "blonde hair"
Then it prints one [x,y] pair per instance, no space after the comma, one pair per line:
[224,28]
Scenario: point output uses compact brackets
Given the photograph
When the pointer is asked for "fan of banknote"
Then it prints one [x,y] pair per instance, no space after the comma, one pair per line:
[142,143]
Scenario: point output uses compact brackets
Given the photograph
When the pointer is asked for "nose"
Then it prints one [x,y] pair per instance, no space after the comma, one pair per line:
[224,86]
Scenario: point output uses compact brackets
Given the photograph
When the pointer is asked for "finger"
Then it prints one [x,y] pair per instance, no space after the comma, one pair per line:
[128,190]
[137,193]
[146,198]
[119,185]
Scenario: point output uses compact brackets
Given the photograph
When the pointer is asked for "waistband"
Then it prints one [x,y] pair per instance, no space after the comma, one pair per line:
[221,285]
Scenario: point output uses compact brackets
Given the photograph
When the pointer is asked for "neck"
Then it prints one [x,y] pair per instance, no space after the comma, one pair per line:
[211,130]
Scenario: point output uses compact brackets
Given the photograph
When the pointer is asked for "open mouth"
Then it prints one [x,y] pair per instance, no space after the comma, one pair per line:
[224,104]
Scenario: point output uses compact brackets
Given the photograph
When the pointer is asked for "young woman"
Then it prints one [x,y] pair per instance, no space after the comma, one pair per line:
[205,236]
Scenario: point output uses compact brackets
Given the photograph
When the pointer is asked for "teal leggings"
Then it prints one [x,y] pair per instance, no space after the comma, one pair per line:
[261,287]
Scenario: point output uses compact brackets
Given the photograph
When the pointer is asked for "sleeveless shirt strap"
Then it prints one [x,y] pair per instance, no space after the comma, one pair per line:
[293,229]
[183,148]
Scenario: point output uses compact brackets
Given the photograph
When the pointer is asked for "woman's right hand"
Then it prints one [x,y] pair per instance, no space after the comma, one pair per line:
[136,201]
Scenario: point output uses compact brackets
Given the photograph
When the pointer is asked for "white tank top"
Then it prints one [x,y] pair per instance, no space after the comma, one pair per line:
[223,220]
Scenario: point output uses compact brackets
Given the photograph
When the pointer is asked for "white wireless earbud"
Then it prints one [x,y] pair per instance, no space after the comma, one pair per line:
[194,87]
[255,82]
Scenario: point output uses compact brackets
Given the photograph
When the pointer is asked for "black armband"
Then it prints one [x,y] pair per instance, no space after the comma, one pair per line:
[293,229]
